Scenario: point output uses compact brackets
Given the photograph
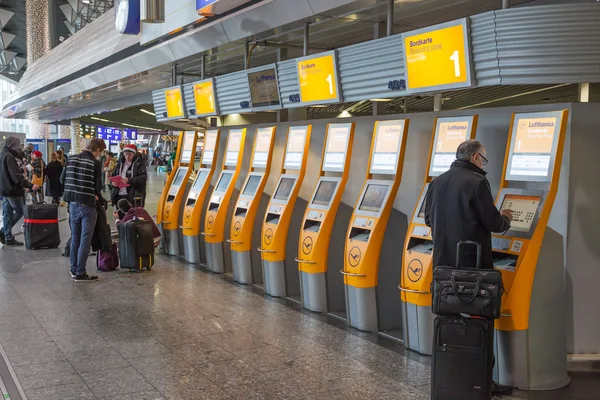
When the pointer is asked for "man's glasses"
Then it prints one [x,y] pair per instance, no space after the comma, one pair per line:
[485,160]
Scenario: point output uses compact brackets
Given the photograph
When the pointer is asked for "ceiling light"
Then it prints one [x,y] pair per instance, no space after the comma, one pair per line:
[143,127]
[380,99]
[319,106]
[100,119]
[147,112]
[344,114]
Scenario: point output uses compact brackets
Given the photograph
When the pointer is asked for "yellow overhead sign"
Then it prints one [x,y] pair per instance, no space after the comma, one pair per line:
[318,80]
[174,102]
[437,57]
[204,96]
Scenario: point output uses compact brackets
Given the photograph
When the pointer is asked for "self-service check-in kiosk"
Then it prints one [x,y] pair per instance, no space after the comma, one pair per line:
[417,268]
[176,193]
[319,217]
[242,223]
[531,332]
[195,203]
[368,223]
[279,211]
[216,212]
[165,192]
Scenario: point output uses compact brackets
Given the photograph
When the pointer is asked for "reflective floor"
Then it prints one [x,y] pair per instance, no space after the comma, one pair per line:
[180,333]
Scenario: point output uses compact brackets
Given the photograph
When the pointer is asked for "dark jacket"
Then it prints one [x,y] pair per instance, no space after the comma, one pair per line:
[459,206]
[12,180]
[83,179]
[101,239]
[137,175]
[53,172]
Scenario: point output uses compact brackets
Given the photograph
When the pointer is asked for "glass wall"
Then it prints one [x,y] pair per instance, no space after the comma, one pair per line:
[10,124]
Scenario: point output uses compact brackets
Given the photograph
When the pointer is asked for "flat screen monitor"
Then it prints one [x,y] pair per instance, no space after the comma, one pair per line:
[523,209]
[199,183]
[251,185]
[373,198]
[284,189]
[223,183]
[264,90]
[324,193]
[179,177]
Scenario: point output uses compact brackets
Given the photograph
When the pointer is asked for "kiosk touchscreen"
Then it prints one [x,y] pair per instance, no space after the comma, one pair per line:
[241,231]
[531,334]
[176,193]
[195,203]
[320,215]
[368,223]
[417,261]
[279,211]
[216,211]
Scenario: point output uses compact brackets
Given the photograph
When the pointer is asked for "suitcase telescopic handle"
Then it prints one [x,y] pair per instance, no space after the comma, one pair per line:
[462,244]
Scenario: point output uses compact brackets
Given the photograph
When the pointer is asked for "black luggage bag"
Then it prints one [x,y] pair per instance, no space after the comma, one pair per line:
[463,359]
[41,226]
[475,292]
[136,245]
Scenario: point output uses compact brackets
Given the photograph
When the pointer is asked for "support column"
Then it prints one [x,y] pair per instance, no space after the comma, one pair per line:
[390,17]
[306,37]
[437,102]
[505,4]
[37,27]
[75,137]
[584,92]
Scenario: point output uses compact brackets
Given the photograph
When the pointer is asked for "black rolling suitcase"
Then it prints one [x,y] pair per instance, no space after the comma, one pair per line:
[41,226]
[136,245]
[463,359]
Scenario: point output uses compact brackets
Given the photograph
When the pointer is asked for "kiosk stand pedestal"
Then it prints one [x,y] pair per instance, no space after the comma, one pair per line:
[317,226]
[242,223]
[279,211]
[216,212]
[417,262]
[368,223]
[530,334]
[196,199]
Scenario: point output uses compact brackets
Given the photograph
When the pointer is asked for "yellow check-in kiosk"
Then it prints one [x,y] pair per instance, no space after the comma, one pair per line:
[277,220]
[531,332]
[216,212]
[320,214]
[176,193]
[417,262]
[369,221]
[195,204]
[165,192]
[246,208]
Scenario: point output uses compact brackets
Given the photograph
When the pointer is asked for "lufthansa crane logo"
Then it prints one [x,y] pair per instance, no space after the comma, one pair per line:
[168,211]
[188,216]
[269,236]
[307,245]
[236,228]
[210,221]
[415,270]
[354,256]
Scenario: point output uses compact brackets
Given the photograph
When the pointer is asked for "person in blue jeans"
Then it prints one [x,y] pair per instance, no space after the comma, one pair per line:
[12,188]
[83,188]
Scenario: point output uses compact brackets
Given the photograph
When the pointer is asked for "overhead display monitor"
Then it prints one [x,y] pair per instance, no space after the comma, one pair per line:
[187,150]
[174,102]
[264,89]
[295,147]
[179,177]
[374,197]
[262,146]
[437,57]
[234,143]
[388,138]
[223,183]
[524,209]
[449,134]
[204,98]
[210,142]
[318,79]
[324,193]
[200,180]
[336,147]
[284,188]
[251,185]
[533,146]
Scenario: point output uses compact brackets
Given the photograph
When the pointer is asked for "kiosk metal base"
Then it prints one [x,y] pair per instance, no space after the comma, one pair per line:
[314,291]
[362,308]
[242,267]
[171,242]
[274,275]
[161,244]
[191,249]
[214,257]
[418,331]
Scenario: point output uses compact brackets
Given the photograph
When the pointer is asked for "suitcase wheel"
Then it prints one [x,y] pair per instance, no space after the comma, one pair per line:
[149,268]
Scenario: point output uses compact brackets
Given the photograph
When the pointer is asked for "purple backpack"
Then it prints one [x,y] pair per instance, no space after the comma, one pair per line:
[108,260]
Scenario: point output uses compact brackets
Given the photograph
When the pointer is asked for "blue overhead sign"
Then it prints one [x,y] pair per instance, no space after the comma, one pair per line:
[116,135]
[201,4]
[127,16]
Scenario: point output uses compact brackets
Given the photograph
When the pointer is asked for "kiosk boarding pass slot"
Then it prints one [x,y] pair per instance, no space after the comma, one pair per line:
[375,194]
[388,139]
[295,148]
[177,183]
[449,134]
[285,187]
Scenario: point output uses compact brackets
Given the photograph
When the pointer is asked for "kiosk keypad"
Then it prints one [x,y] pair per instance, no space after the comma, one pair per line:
[422,231]
[243,203]
[275,209]
[362,222]
[315,215]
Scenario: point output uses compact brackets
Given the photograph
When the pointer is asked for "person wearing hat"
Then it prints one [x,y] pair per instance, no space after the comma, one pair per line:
[36,175]
[132,169]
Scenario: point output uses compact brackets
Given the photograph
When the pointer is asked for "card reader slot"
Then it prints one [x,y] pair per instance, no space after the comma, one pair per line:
[240,211]
[170,198]
[213,206]
[190,202]
[360,234]
[420,245]
[312,226]
[272,218]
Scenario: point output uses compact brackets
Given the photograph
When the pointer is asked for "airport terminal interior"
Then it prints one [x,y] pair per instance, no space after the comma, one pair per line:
[289,146]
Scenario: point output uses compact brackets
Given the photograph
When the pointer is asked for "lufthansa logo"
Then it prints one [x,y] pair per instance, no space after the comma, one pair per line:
[354,256]
[522,125]
[236,228]
[168,211]
[188,216]
[415,270]
[210,221]
[269,236]
[307,245]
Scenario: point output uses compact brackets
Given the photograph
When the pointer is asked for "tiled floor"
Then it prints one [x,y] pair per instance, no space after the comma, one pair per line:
[180,333]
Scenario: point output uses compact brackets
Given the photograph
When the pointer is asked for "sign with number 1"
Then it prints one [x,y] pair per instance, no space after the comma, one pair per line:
[318,79]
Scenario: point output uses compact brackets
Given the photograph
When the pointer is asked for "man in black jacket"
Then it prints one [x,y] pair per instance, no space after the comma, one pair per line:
[12,187]
[459,206]
[132,169]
